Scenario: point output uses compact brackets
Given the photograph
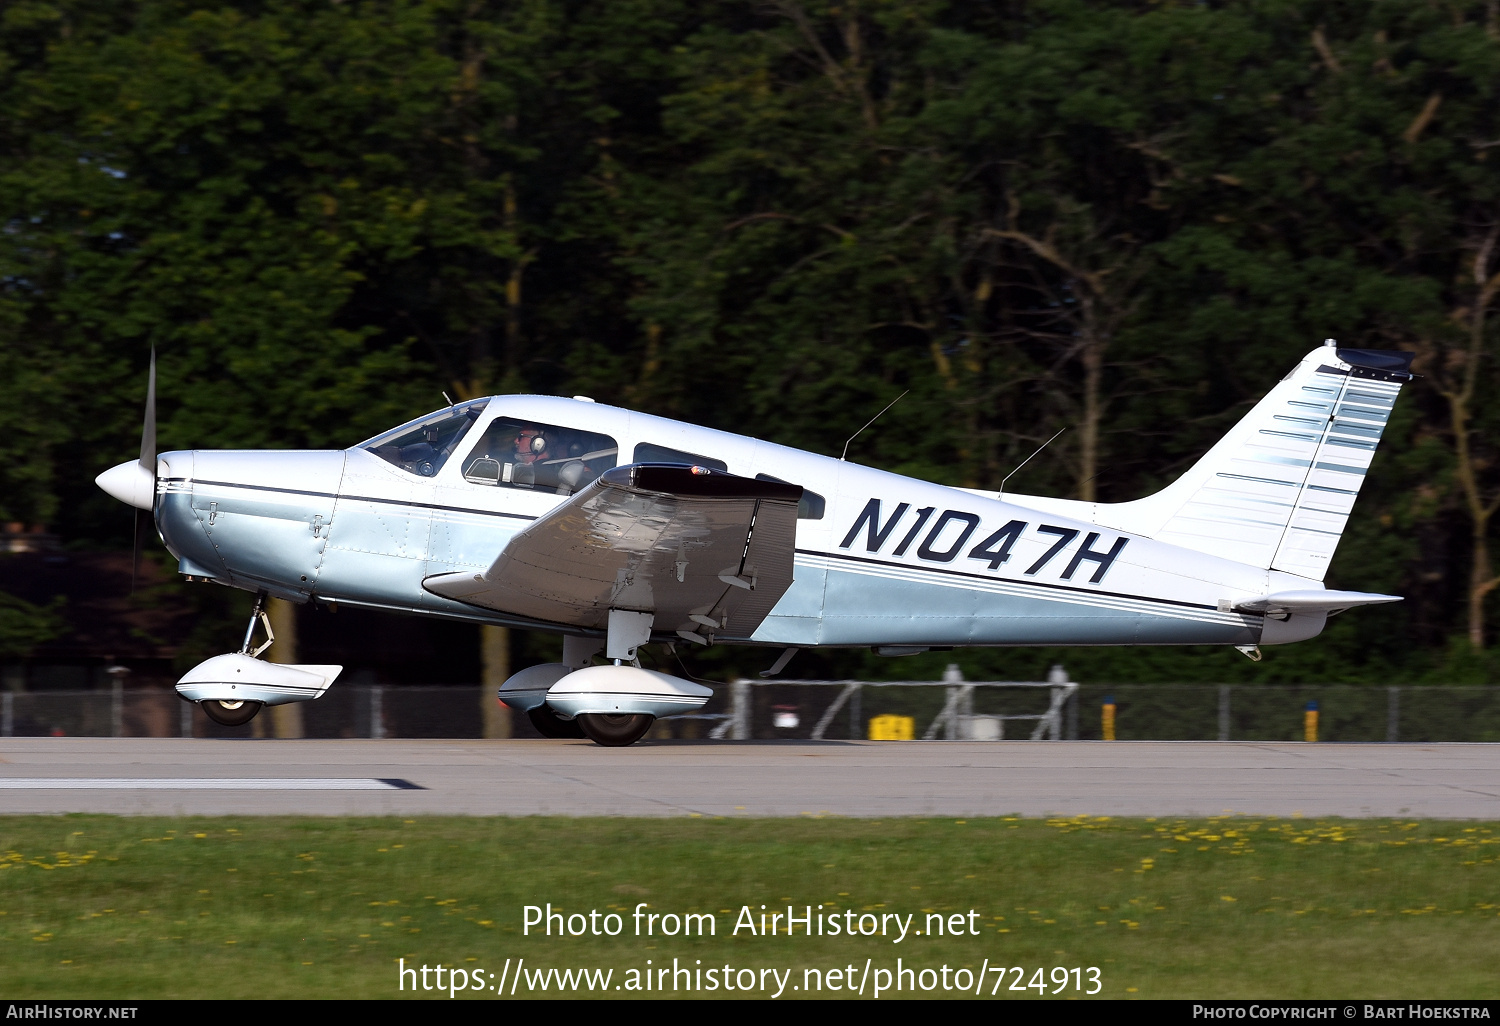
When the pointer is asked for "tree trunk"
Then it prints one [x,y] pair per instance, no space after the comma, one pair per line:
[494,653]
[1092,359]
[285,719]
[1482,580]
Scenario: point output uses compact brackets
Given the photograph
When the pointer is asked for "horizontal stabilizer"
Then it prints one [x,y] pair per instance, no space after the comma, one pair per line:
[1282,604]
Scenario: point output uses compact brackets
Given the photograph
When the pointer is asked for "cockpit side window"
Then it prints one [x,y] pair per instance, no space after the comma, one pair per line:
[423,445]
[542,457]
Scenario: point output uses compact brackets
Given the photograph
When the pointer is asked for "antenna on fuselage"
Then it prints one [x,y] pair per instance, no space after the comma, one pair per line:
[872,420]
[450,401]
[1001,493]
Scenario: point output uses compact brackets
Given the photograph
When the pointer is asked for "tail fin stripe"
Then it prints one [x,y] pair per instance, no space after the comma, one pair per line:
[1259,480]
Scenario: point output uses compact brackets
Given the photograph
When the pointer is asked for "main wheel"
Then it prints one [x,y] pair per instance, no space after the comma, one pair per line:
[549,724]
[230,714]
[615,730]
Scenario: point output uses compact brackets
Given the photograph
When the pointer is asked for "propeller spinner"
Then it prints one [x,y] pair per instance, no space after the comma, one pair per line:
[134,483]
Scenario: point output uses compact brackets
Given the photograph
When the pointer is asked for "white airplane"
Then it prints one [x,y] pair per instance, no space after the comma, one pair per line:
[618,529]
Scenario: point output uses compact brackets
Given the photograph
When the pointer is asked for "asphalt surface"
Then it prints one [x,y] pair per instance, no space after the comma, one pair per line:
[757,778]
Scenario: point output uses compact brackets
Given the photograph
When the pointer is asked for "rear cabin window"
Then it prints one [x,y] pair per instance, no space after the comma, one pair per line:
[645,452]
[812,505]
[540,457]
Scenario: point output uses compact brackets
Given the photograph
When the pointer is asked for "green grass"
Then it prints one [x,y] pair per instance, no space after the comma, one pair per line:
[99,906]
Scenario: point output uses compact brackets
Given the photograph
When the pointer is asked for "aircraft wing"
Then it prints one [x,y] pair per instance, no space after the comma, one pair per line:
[705,551]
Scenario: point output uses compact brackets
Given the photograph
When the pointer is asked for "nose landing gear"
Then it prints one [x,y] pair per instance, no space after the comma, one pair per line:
[230,714]
[233,687]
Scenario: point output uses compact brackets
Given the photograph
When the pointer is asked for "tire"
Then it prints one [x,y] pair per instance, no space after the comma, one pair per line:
[230,714]
[549,724]
[615,730]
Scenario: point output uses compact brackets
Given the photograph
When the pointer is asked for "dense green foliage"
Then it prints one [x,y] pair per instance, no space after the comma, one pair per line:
[1126,219]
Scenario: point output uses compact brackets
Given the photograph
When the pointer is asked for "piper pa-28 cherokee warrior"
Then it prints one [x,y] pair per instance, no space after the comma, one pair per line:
[617,529]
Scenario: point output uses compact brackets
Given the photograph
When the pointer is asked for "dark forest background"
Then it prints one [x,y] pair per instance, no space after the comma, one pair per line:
[1127,219]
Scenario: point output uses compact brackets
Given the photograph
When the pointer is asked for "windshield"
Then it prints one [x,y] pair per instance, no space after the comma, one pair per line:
[423,445]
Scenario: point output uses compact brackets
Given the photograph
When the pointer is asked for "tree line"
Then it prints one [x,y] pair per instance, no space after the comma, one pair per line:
[1123,219]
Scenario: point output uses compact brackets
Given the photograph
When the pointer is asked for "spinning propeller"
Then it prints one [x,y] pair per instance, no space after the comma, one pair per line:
[135,483]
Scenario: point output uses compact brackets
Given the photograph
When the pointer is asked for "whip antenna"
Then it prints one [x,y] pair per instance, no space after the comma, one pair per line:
[1001,493]
[872,420]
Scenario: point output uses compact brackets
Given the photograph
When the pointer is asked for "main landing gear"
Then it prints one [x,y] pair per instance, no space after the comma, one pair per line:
[550,725]
[614,730]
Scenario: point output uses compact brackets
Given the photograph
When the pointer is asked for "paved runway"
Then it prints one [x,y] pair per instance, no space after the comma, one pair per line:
[770,778]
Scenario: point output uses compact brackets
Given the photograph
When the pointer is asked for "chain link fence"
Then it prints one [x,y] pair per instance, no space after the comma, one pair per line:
[824,710]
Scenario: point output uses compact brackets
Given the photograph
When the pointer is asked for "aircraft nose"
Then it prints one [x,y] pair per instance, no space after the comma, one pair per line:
[131,483]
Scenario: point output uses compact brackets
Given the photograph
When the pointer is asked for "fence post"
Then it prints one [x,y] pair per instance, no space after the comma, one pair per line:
[739,695]
[856,714]
[954,706]
[117,709]
[7,714]
[186,720]
[1223,712]
[1393,714]
[1057,676]
[377,711]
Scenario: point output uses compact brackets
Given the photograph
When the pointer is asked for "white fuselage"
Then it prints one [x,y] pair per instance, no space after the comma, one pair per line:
[891,561]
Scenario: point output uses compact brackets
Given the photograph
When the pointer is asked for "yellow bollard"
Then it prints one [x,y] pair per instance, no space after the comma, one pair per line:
[1109,718]
[1310,722]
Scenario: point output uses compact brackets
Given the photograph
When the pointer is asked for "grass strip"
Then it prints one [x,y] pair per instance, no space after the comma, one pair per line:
[283,907]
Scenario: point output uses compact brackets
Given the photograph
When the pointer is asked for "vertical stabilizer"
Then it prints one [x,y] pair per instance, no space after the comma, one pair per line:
[1276,491]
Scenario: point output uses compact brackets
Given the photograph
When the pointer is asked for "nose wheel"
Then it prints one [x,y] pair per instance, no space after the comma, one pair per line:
[230,714]
[237,713]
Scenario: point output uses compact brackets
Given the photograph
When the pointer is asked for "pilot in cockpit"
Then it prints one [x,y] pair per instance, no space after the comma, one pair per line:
[531,445]
[545,468]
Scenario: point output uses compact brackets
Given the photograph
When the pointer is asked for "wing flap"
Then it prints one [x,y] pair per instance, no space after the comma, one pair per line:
[704,551]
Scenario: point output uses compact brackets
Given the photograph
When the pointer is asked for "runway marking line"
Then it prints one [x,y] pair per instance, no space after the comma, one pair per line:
[208,784]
